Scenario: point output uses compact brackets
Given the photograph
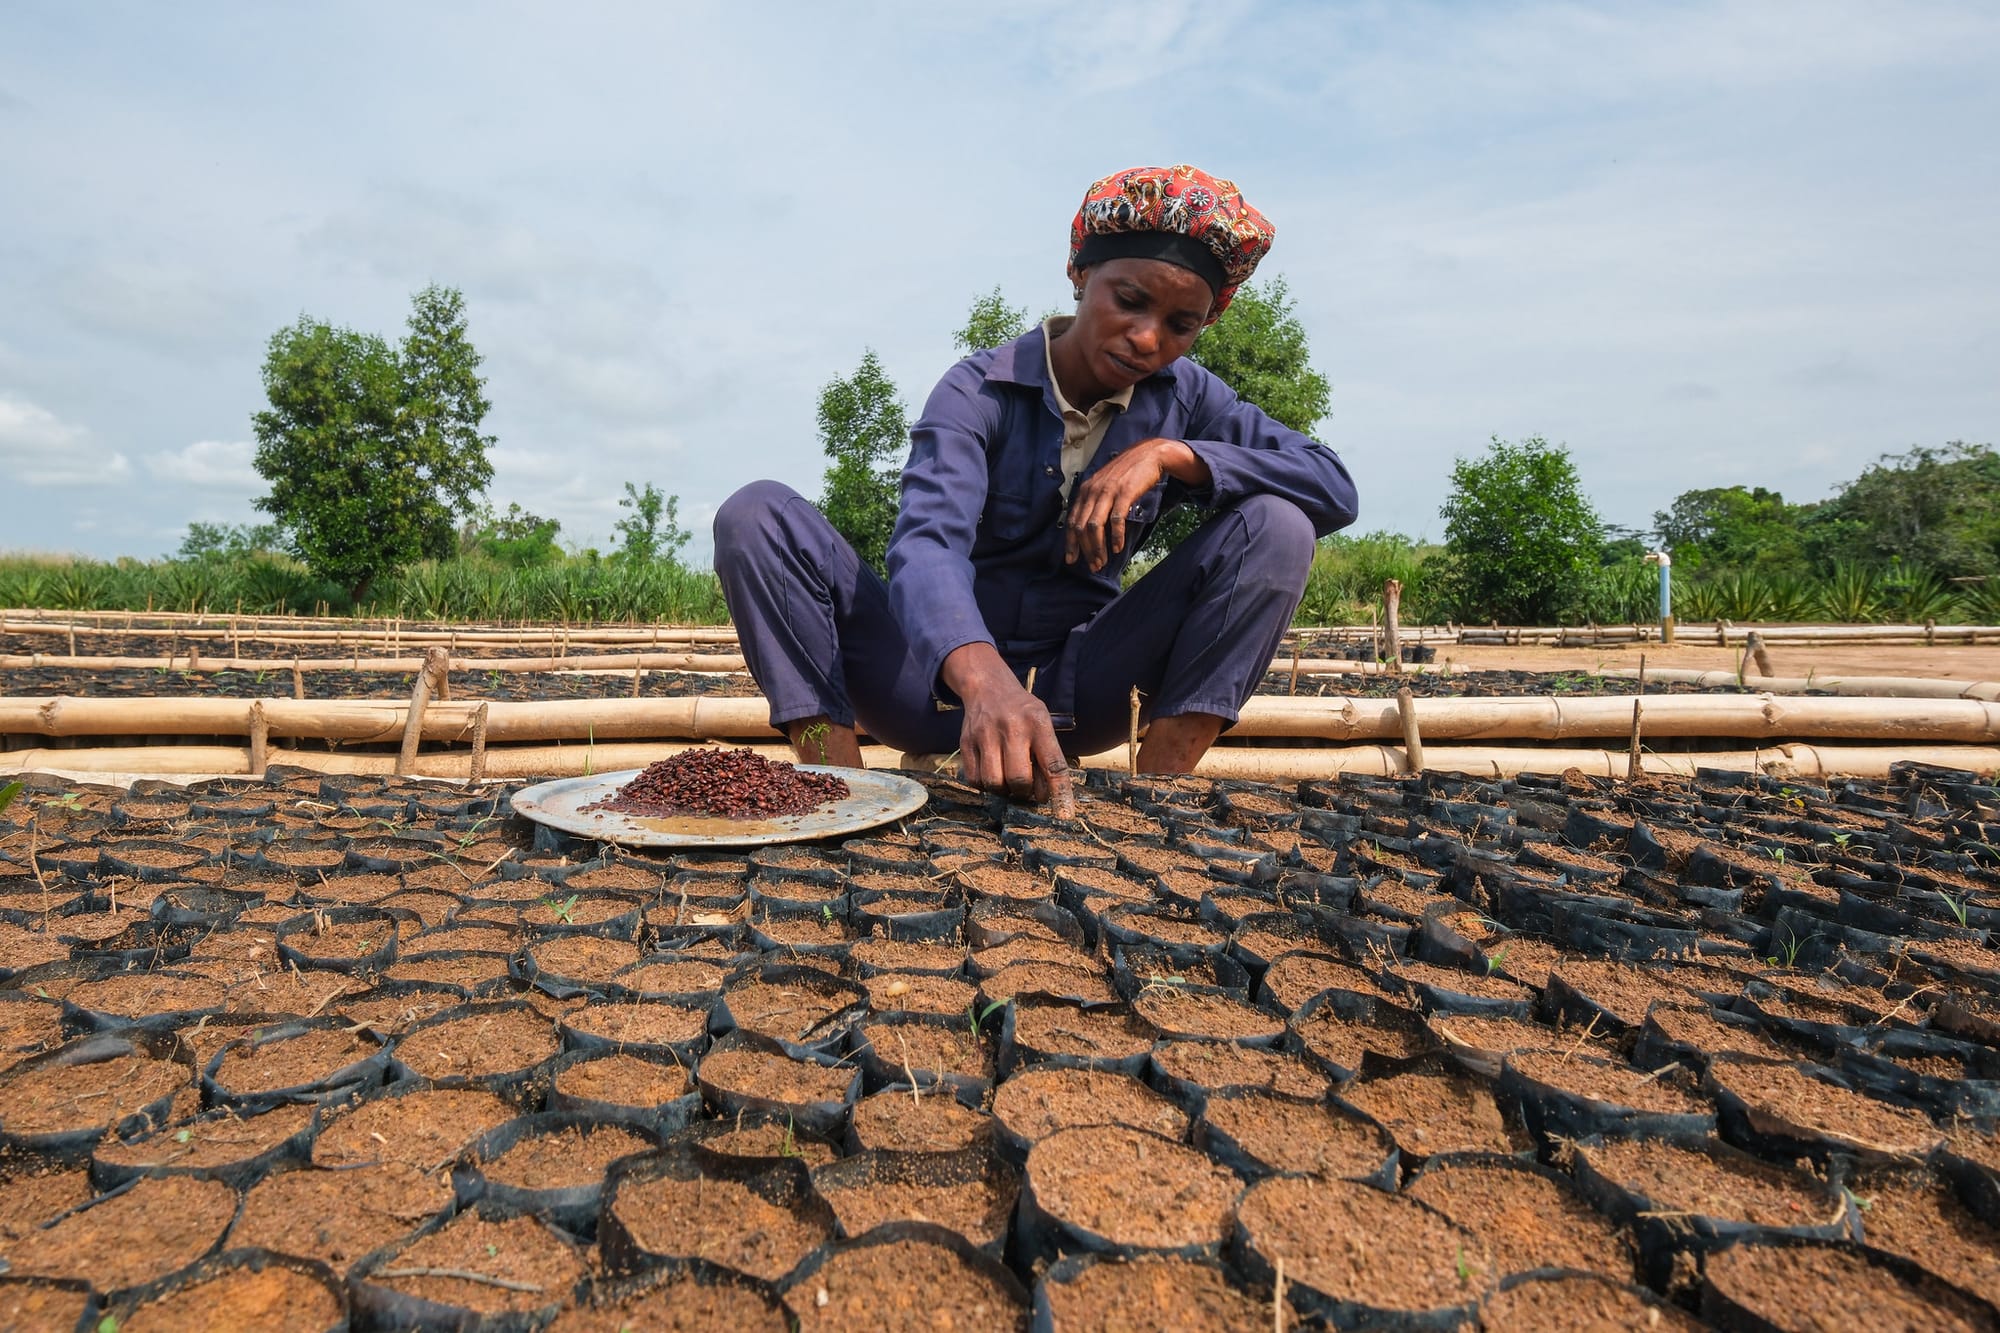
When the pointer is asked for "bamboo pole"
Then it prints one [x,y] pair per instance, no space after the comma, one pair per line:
[1873,687]
[1633,768]
[413,723]
[1231,761]
[1413,741]
[688,662]
[260,739]
[1392,612]
[476,769]
[1330,718]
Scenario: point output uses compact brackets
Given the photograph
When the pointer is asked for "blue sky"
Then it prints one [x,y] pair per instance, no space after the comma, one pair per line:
[1700,244]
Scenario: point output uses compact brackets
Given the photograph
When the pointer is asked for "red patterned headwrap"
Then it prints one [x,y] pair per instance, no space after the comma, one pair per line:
[1180,214]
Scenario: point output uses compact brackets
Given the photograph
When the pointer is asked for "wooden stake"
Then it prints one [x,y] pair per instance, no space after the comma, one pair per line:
[298,681]
[1642,674]
[260,739]
[1413,741]
[1132,736]
[1278,1299]
[1632,766]
[1392,611]
[1298,641]
[478,770]
[635,675]
[413,724]
[438,663]
[72,636]
[1753,648]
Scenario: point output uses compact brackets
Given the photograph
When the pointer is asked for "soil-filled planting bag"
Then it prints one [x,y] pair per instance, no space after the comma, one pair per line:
[652,1095]
[902,916]
[1182,1012]
[935,1053]
[692,1294]
[58,1104]
[990,922]
[1058,1034]
[47,1302]
[1556,1298]
[1565,1098]
[1110,1189]
[157,1001]
[1976,1181]
[806,1012]
[550,1166]
[1942,1097]
[1806,1110]
[1667,1192]
[503,1047]
[495,1275]
[760,1218]
[971,1192]
[1765,1284]
[1135,967]
[218,1145]
[1092,1291]
[1258,1134]
[239,1289]
[906,1274]
[1360,1258]
[1337,1029]
[300,1061]
[655,1031]
[744,1072]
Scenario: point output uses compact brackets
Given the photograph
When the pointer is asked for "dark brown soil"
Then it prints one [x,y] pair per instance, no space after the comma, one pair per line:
[896,1121]
[160,1224]
[1219,1065]
[421,1129]
[137,994]
[624,1080]
[1587,1307]
[977,1205]
[1924,1221]
[678,1305]
[1293,978]
[337,1217]
[1428,1113]
[1090,986]
[1677,1180]
[1188,1013]
[1793,1288]
[1155,1296]
[1132,1188]
[753,1073]
[520,1250]
[1303,1138]
[1036,1103]
[54,1100]
[209,1142]
[789,1010]
[1355,1243]
[1665,1093]
[930,1048]
[722,1221]
[1526,1220]
[1787,1097]
[493,1042]
[584,957]
[909,992]
[565,1159]
[276,1298]
[291,1062]
[902,1287]
[654,1024]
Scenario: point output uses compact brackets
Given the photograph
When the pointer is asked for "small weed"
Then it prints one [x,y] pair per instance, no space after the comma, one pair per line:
[1495,959]
[1464,1268]
[816,735]
[590,749]
[826,914]
[8,793]
[788,1146]
[183,1136]
[1841,840]
[1956,906]
[562,909]
[1777,854]
[108,1324]
[978,1017]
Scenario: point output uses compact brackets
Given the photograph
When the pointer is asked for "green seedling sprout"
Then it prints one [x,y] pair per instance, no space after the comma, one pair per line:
[8,793]
[1465,1269]
[1495,959]
[562,909]
[788,1146]
[815,735]
[978,1016]
[1956,906]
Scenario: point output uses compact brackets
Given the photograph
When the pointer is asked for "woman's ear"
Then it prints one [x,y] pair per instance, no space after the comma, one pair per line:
[1076,280]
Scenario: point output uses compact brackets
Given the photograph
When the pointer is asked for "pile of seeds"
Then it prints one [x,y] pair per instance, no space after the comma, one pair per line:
[730,784]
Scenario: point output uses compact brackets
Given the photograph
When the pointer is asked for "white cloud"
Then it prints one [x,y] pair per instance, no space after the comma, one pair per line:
[40,449]
[212,464]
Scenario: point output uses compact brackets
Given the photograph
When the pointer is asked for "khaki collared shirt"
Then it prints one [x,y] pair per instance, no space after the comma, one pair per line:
[1082,431]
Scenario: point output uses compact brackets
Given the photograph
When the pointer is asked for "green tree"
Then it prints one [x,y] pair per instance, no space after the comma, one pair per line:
[371,450]
[1521,539]
[1936,508]
[1731,527]
[652,531]
[227,541]
[1258,348]
[989,323]
[516,538]
[866,433]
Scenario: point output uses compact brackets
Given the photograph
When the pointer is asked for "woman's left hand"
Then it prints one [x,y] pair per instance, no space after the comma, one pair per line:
[1098,510]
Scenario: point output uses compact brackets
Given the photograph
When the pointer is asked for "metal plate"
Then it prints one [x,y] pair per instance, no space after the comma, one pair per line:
[873,798]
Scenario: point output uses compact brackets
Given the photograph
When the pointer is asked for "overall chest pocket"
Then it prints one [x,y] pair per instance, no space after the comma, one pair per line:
[1009,518]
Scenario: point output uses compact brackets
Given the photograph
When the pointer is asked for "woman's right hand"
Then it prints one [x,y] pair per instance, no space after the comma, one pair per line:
[1006,741]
